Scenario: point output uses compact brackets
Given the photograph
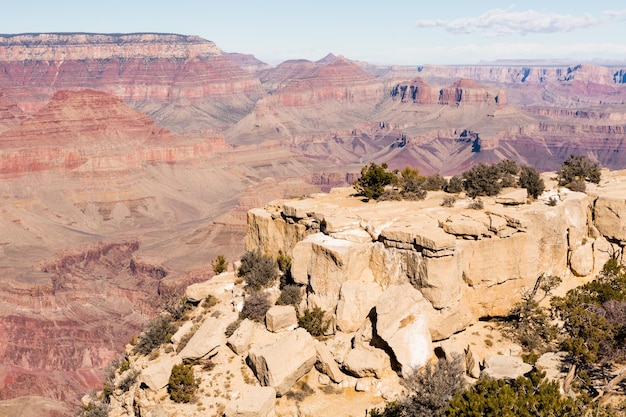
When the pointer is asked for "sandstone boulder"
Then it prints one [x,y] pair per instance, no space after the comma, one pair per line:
[513,197]
[157,374]
[280,318]
[610,212]
[402,322]
[326,363]
[339,346]
[363,362]
[582,261]
[282,363]
[216,286]
[462,225]
[253,402]
[239,341]
[356,299]
[181,332]
[504,367]
[209,336]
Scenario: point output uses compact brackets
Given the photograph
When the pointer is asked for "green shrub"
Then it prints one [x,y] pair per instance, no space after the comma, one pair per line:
[290,295]
[219,264]
[182,383]
[284,262]
[531,396]
[128,379]
[158,331]
[577,186]
[455,185]
[428,390]
[255,306]
[435,182]
[259,271]
[314,322]
[529,178]
[482,179]
[578,168]
[373,180]
[175,304]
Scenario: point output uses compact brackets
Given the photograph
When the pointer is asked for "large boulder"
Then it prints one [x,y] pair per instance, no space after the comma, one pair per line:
[253,402]
[504,367]
[366,361]
[216,286]
[282,363]
[157,374]
[610,212]
[402,322]
[356,299]
[239,342]
[280,318]
[581,260]
[326,363]
[205,341]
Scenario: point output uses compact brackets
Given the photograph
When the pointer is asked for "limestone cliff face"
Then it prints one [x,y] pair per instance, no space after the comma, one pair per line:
[468,264]
[147,71]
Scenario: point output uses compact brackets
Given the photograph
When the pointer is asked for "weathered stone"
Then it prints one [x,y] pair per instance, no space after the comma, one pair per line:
[216,286]
[513,197]
[339,346]
[253,402]
[240,340]
[207,338]
[280,318]
[157,374]
[553,364]
[356,299]
[504,367]
[181,332]
[462,225]
[326,363]
[472,362]
[610,212]
[496,223]
[441,280]
[298,209]
[581,260]
[364,362]
[282,363]
[402,322]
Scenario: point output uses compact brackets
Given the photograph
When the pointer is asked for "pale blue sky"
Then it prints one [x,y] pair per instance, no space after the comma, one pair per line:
[389,32]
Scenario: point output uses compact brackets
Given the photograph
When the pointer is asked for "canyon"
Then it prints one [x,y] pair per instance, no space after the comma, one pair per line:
[128,162]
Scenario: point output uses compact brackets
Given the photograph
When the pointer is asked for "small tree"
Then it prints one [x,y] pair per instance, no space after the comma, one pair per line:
[578,168]
[455,185]
[529,178]
[482,179]
[157,332]
[182,383]
[412,184]
[219,264]
[373,180]
[435,182]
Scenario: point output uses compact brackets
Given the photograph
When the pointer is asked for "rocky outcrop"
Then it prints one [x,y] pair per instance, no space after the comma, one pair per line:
[467,264]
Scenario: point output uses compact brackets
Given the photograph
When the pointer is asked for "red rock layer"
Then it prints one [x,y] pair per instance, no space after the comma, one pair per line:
[94,131]
[342,81]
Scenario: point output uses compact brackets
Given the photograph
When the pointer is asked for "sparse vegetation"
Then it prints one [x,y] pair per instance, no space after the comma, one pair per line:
[219,264]
[259,271]
[95,409]
[158,331]
[529,178]
[256,306]
[290,295]
[182,384]
[476,204]
[232,327]
[531,396]
[429,390]
[314,321]
[578,168]
[448,201]
[412,184]
[374,178]
[455,185]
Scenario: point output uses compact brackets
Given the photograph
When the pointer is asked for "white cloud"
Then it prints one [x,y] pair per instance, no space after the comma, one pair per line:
[497,22]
